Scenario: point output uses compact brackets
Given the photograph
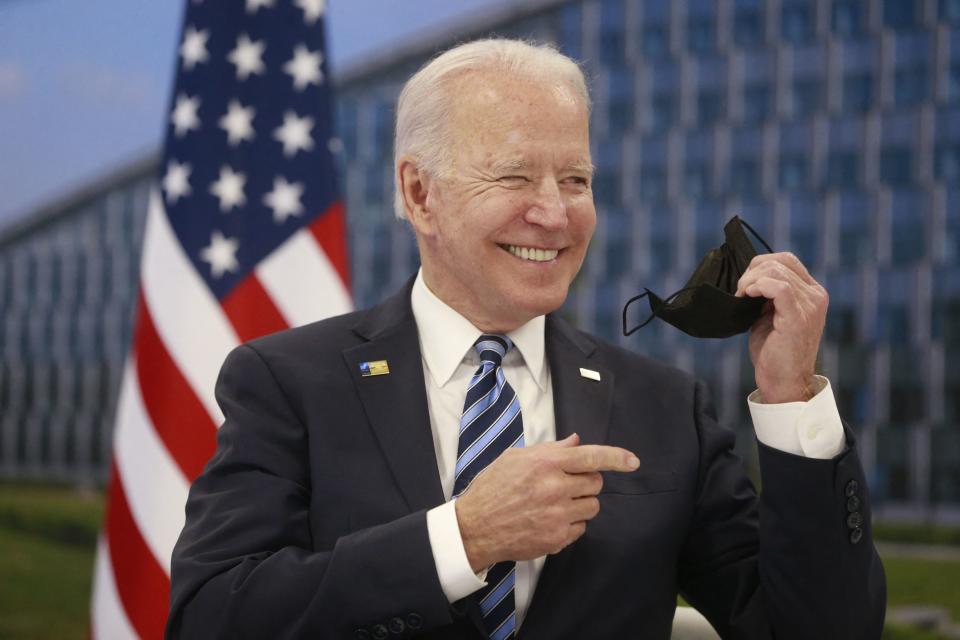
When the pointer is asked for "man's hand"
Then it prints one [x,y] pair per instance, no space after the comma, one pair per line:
[785,340]
[535,500]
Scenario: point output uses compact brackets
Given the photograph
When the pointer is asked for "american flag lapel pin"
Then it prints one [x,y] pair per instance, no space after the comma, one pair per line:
[374,368]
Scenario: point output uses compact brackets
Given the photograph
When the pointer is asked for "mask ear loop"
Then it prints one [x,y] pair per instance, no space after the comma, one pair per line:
[756,235]
[652,315]
[627,306]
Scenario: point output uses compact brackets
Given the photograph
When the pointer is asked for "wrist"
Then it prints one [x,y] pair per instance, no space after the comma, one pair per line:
[800,390]
[477,555]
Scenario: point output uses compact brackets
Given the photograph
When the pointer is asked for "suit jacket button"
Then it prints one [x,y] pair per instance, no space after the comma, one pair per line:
[853,504]
[361,634]
[854,520]
[379,632]
[852,487]
[856,535]
[396,626]
[414,620]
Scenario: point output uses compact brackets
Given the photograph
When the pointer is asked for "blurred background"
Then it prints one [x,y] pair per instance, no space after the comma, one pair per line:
[831,126]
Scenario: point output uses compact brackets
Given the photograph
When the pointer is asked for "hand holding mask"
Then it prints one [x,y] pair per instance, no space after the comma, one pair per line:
[706,306]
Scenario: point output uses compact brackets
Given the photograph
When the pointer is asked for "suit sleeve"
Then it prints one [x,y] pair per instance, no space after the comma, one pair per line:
[244,566]
[809,574]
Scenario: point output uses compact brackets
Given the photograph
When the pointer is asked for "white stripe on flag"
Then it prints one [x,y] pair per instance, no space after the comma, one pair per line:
[108,620]
[188,318]
[298,264]
[155,487]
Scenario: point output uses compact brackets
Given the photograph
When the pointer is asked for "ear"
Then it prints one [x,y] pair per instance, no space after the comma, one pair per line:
[415,185]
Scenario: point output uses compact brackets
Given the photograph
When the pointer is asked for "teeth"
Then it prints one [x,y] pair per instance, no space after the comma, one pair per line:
[530,253]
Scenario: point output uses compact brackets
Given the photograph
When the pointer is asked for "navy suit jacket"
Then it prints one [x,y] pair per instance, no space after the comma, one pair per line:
[310,520]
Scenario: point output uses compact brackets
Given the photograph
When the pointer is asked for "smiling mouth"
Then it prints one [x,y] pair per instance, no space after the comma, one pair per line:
[531,253]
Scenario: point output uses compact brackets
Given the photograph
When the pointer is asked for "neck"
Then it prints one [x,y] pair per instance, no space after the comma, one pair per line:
[471,312]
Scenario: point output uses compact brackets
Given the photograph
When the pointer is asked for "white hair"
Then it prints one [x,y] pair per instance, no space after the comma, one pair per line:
[426,99]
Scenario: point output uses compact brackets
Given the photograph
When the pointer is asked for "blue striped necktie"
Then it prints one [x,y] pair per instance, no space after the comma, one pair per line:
[491,424]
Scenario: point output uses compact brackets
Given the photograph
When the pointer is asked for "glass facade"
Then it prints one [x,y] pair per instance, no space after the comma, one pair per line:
[832,126]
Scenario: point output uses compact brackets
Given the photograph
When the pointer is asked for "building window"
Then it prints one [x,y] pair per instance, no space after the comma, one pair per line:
[654,40]
[383,130]
[744,177]
[910,86]
[899,14]
[796,23]
[946,164]
[842,170]
[748,27]
[696,182]
[701,34]
[953,83]
[653,184]
[612,37]
[908,232]
[621,107]
[756,103]
[663,112]
[709,107]
[793,173]
[950,11]
[807,94]
[571,26]
[857,92]
[847,18]
[896,166]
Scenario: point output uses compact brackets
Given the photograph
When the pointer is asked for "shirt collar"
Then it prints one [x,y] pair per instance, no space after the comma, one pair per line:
[446,337]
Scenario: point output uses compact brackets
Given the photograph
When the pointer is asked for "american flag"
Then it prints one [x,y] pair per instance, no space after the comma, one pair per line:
[245,236]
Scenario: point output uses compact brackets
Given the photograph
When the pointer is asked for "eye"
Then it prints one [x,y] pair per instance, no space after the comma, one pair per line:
[513,179]
[578,180]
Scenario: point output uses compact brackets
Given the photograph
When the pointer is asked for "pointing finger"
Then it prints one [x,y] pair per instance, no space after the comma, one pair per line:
[595,457]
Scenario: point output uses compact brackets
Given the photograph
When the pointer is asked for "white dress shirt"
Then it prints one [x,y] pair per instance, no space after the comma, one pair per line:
[449,361]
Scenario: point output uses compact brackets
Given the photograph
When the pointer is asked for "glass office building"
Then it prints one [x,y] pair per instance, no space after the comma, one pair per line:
[832,126]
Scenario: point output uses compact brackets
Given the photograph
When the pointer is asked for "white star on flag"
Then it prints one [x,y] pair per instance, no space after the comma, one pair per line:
[184,116]
[304,67]
[194,47]
[221,254]
[238,123]
[294,133]
[247,56]
[284,199]
[312,9]
[176,181]
[229,188]
[253,5]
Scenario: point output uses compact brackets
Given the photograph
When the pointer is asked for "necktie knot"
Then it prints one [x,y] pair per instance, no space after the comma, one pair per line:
[492,347]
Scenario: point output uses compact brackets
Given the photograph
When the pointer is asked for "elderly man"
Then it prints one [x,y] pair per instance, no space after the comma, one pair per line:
[459,463]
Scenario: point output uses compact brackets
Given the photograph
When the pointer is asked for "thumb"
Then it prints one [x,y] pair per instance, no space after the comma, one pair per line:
[571,440]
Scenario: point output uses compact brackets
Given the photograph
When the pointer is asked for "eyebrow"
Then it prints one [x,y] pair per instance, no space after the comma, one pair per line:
[519,164]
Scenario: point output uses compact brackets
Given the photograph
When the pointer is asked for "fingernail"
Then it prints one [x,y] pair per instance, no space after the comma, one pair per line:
[633,462]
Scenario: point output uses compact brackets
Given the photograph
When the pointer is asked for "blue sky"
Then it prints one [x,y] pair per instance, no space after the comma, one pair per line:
[83,85]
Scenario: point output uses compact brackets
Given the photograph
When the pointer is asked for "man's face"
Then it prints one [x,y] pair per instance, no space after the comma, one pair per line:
[511,221]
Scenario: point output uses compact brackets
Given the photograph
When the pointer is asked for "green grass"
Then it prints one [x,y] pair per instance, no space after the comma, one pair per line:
[44,592]
[914,581]
[56,513]
[916,533]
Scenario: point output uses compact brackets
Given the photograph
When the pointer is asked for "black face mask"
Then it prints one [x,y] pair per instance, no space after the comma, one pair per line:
[707,307]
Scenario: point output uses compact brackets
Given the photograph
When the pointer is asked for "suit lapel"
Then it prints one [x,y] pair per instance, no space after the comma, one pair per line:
[396,403]
[581,405]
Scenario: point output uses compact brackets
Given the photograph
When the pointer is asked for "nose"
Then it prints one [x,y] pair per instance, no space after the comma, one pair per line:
[549,209]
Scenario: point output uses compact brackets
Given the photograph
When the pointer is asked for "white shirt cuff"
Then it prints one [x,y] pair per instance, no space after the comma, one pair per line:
[812,429]
[457,578]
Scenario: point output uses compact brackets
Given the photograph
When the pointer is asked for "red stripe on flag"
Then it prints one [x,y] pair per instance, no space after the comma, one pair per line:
[251,311]
[177,415]
[330,232]
[142,584]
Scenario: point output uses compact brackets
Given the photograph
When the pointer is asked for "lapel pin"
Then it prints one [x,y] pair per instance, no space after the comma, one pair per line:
[374,368]
[590,373]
